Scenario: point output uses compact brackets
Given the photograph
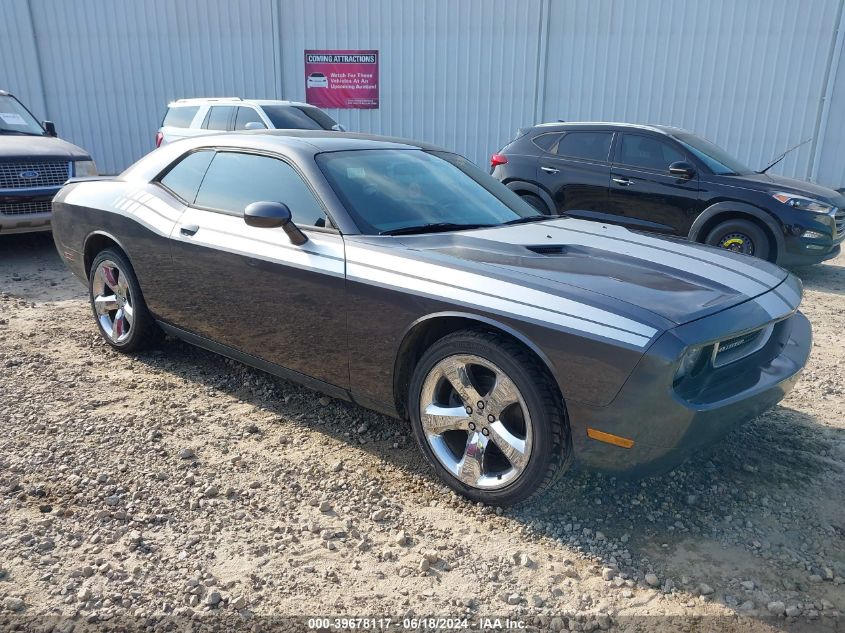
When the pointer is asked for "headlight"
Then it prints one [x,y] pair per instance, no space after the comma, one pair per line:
[688,361]
[84,168]
[802,203]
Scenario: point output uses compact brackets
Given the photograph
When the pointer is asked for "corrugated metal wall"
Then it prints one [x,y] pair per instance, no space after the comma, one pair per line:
[831,155]
[460,74]
[19,68]
[749,75]
[110,67]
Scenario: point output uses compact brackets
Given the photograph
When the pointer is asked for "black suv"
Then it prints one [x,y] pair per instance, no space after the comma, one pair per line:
[34,165]
[667,180]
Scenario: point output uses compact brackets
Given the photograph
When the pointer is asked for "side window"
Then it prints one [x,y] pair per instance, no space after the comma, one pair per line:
[586,145]
[648,152]
[247,115]
[547,141]
[234,181]
[180,116]
[218,118]
[184,177]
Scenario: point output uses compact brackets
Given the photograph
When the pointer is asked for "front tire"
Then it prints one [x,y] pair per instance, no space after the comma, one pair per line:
[118,305]
[489,418]
[536,202]
[740,236]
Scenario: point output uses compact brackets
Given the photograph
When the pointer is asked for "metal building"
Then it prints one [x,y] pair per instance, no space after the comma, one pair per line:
[754,76]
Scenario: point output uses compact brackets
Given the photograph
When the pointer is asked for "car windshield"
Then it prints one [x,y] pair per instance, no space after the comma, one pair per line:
[14,118]
[285,117]
[717,159]
[394,190]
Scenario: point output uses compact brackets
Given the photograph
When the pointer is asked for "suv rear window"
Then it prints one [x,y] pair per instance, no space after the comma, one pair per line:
[286,117]
[247,115]
[547,141]
[180,116]
[218,118]
[586,145]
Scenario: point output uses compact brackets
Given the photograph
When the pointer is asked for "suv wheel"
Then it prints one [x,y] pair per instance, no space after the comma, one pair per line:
[488,418]
[118,305]
[740,236]
[536,202]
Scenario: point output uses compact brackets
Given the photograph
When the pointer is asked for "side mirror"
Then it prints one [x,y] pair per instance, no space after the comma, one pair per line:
[337,127]
[255,125]
[682,169]
[269,215]
[50,128]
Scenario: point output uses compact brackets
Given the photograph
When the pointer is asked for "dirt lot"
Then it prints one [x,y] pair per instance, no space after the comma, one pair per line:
[177,484]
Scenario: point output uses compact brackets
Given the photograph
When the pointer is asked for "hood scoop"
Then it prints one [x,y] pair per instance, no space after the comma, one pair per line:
[549,249]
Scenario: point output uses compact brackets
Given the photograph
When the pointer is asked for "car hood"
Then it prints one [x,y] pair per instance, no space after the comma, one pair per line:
[628,272]
[35,147]
[770,182]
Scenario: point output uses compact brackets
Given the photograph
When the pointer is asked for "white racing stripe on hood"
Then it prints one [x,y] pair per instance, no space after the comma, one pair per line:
[789,294]
[711,256]
[370,266]
[774,304]
[748,280]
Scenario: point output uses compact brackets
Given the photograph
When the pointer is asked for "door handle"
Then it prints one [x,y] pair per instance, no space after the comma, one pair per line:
[550,170]
[622,181]
[189,229]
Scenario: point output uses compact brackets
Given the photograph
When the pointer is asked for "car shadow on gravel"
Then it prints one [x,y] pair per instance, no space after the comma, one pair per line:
[33,270]
[766,504]
[750,499]
[825,277]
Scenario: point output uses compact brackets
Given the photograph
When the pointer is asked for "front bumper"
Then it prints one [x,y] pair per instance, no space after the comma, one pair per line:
[805,251]
[25,211]
[667,426]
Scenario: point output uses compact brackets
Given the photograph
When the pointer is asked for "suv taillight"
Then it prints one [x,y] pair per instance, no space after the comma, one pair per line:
[498,159]
[159,139]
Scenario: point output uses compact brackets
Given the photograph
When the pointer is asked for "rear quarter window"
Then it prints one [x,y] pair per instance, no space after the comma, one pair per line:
[547,141]
[180,116]
[184,178]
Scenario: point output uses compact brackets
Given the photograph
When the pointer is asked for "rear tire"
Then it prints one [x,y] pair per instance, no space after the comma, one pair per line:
[500,437]
[122,316]
[740,236]
[536,202]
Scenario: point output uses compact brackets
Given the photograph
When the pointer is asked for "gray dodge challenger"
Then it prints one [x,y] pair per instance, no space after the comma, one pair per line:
[399,276]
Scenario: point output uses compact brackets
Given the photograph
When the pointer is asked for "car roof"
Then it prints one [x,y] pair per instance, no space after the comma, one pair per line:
[611,125]
[232,101]
[325,139]
[299,144]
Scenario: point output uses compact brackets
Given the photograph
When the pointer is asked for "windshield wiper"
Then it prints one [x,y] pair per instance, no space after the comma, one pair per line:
[529,218]
[21,132]
[434,227]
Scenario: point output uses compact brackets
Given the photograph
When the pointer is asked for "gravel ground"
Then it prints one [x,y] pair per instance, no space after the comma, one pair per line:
[177,485]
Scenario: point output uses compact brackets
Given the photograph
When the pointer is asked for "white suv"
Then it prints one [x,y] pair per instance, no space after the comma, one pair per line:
[197,117]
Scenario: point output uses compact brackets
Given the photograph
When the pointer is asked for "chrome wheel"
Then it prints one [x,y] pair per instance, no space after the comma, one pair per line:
[112,301]
[476,421]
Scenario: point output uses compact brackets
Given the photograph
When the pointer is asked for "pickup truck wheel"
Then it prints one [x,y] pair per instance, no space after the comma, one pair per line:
[536,202]
[488,418]
[122,316]
[740,236]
